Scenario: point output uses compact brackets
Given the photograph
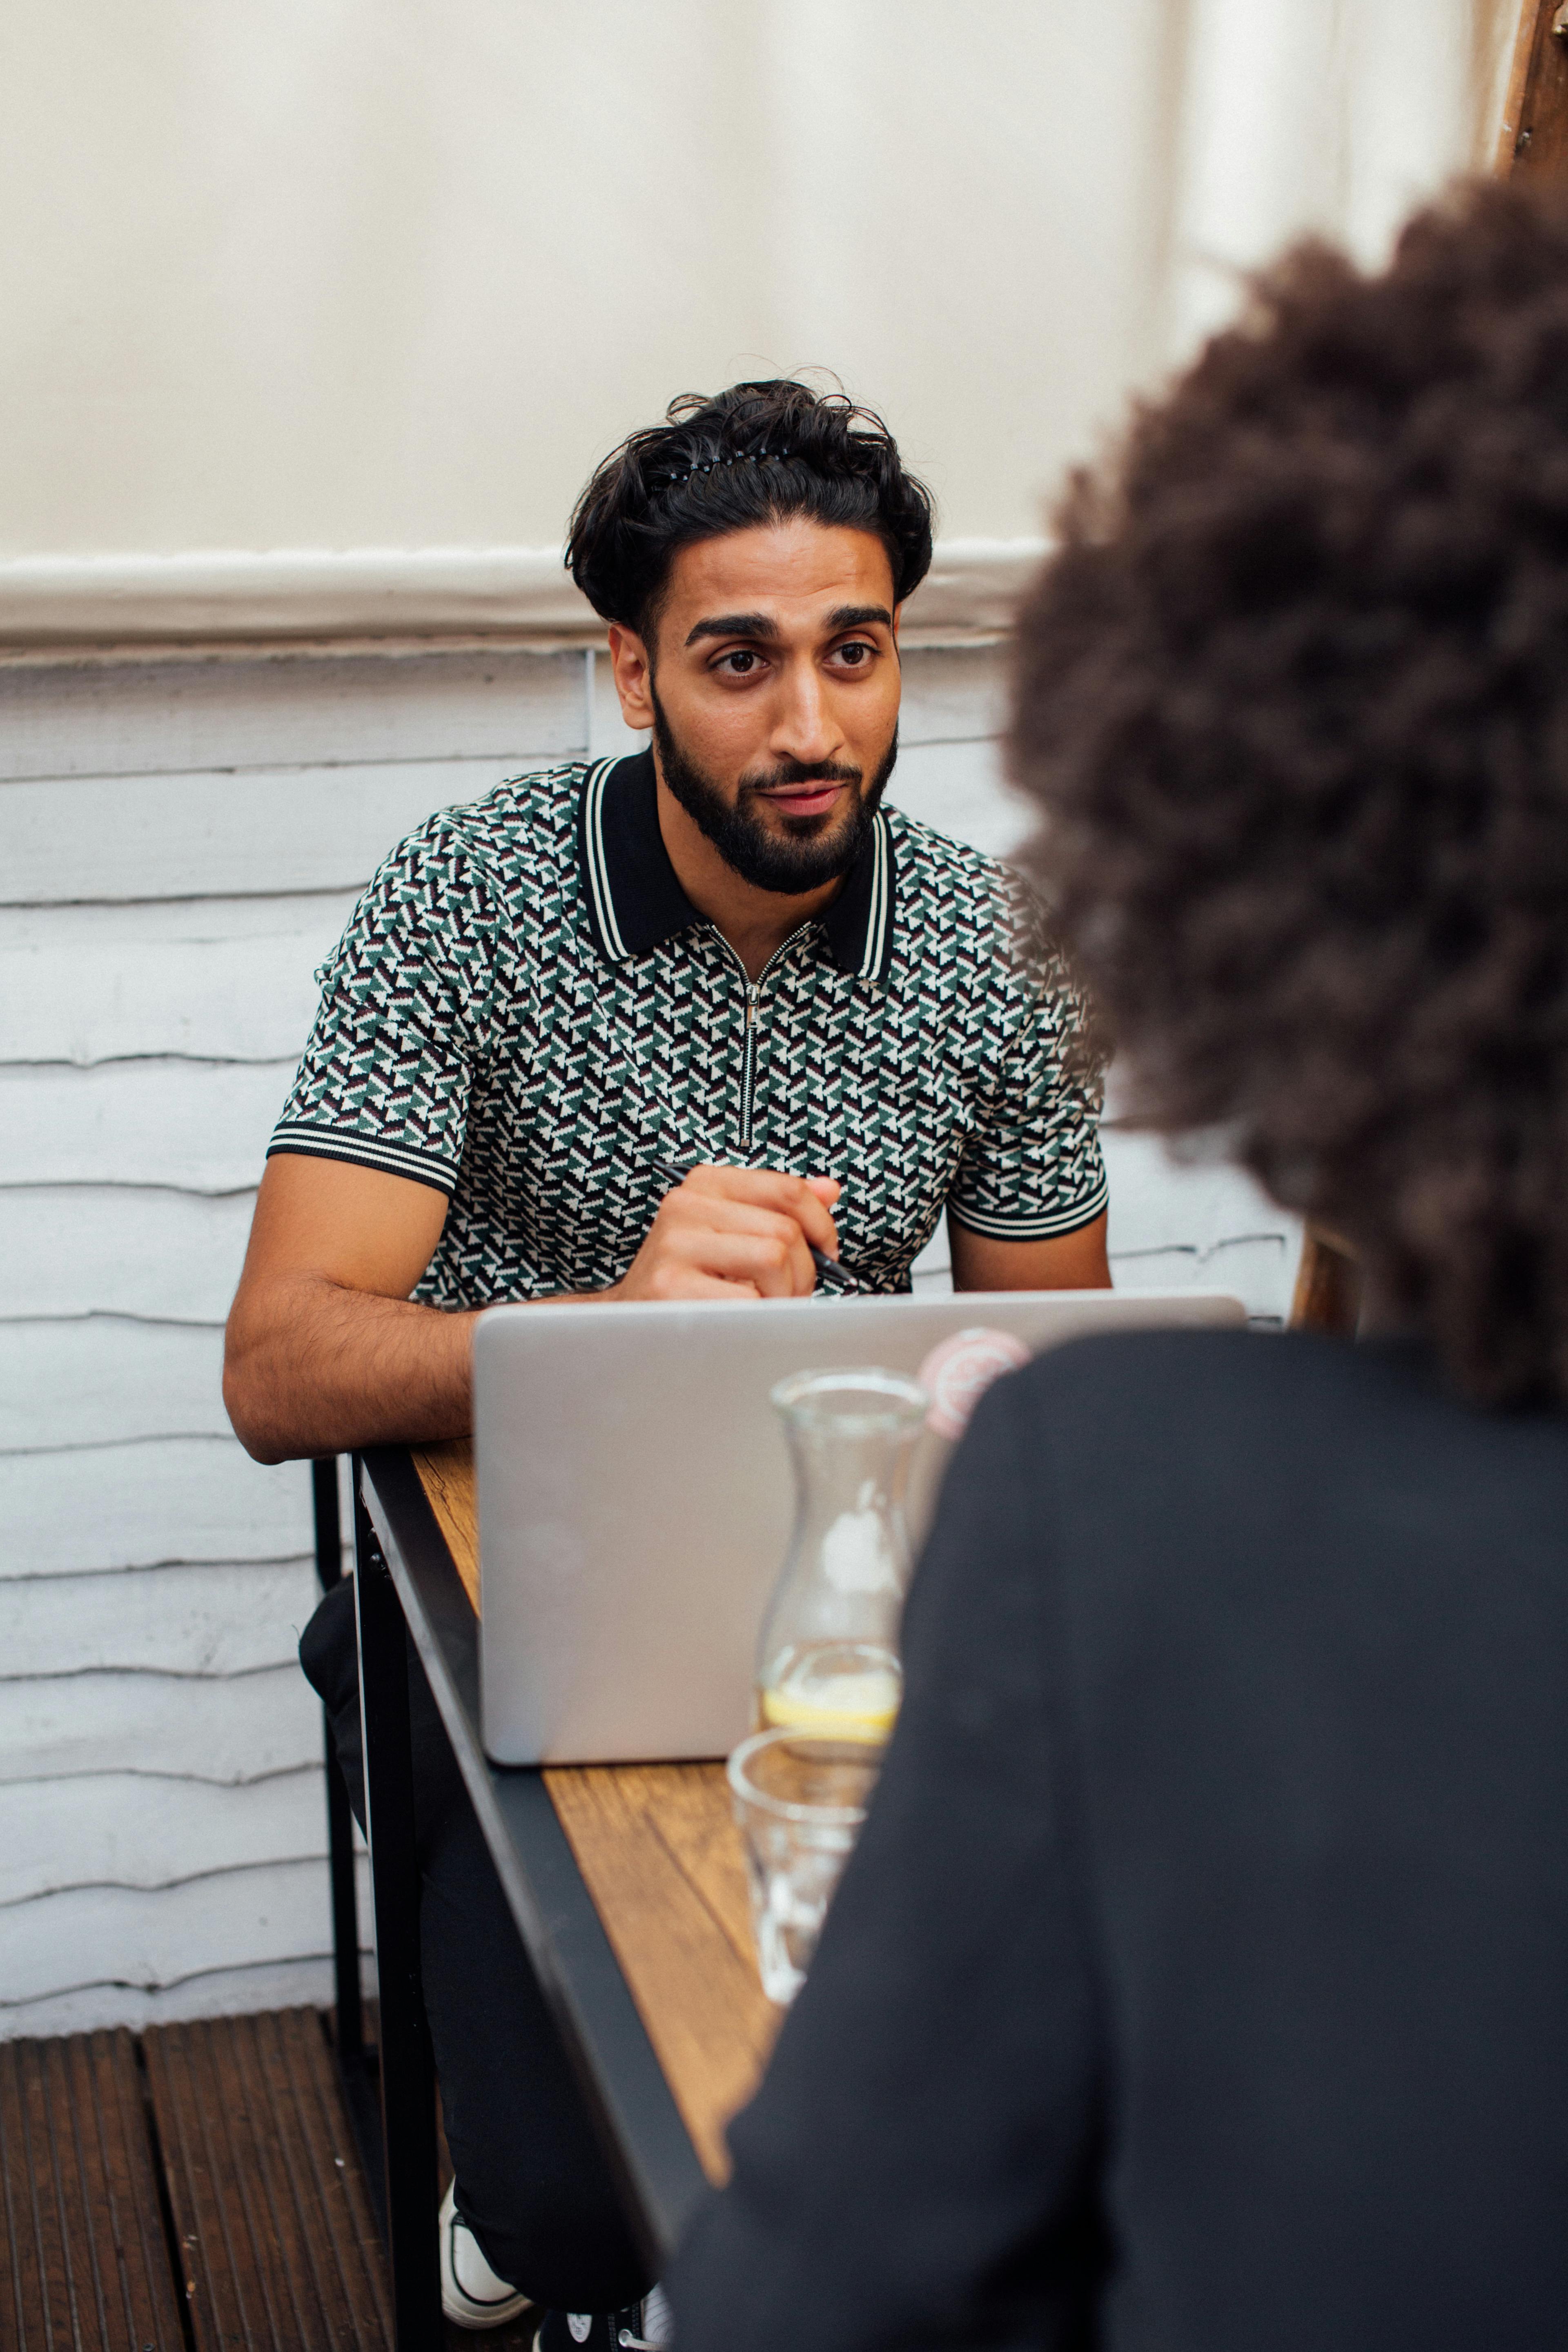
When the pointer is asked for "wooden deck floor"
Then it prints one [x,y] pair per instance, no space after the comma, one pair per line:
[192,2189]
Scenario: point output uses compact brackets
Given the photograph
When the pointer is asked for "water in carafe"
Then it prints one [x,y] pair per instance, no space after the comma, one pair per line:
[828,1657]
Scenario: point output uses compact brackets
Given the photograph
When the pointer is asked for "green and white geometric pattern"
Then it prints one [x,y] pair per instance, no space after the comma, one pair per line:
[474,1036]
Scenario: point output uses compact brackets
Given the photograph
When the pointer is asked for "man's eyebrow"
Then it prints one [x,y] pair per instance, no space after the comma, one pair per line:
[762,630]
[736,624]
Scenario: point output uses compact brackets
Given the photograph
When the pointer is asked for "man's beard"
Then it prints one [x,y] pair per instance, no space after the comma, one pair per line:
[803,856]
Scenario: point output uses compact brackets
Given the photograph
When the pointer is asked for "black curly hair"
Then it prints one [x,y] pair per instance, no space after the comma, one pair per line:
[755,453]
[1292,698]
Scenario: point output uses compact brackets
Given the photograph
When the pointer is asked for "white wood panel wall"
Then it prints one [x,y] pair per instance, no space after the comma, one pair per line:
[180,842]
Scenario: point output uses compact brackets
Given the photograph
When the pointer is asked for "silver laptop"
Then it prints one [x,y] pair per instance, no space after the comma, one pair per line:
[636,1496]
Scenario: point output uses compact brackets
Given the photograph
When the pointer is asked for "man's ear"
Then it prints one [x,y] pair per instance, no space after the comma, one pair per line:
[633,674]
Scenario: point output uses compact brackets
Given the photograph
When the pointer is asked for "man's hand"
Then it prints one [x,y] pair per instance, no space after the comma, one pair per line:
[734,1233]
[325,1350]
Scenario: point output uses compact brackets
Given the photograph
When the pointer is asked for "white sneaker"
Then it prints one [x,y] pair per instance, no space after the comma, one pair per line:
[645,2327]
[658,2320]
[470,2292]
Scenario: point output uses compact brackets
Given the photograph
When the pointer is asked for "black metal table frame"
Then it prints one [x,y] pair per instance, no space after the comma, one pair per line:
[407,1589]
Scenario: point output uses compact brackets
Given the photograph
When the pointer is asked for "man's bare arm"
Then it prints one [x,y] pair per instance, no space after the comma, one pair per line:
[1072,1261]
[325,1350]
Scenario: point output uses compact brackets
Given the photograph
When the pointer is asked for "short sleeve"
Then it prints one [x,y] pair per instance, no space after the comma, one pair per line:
[1032,1167]
[388,1069]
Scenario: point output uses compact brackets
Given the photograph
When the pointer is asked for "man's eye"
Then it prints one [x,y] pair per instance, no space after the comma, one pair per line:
[855,654]
[740,664]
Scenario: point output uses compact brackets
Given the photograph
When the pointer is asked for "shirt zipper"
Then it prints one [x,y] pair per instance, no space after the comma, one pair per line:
[749,1063]
[749,1043]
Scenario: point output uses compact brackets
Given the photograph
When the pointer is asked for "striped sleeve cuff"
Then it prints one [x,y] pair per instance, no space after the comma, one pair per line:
[363,1152]
[1041,1225]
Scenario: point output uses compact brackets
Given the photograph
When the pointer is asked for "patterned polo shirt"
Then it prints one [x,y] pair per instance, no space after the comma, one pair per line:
[527,1012]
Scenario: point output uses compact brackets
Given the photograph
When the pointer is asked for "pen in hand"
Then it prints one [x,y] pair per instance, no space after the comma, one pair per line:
[829,1273]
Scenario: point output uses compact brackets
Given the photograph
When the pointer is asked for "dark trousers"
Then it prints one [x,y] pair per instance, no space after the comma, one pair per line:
[532,2184]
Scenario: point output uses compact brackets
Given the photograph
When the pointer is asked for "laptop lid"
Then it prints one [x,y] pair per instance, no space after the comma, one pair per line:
[636,1497]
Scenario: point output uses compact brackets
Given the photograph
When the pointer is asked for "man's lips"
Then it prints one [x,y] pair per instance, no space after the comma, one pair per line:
[814,798]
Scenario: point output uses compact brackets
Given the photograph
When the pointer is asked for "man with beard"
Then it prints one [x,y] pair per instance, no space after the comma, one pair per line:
[653,1028]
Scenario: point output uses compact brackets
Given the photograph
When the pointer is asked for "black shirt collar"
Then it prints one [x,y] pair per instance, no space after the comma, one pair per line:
[635,900]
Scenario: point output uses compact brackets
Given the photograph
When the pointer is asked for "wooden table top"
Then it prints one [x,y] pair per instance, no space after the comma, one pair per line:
[658,1846]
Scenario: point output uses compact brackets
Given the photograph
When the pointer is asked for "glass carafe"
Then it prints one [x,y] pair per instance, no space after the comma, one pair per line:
[828,1658]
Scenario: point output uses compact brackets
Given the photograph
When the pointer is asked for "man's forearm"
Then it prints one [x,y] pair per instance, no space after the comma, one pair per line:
[315,1367]
[1075,1261]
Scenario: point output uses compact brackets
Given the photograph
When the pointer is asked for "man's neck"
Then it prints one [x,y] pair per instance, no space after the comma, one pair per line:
[755,922]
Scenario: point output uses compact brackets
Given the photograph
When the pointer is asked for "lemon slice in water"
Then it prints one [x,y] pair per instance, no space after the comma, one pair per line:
[842,1707]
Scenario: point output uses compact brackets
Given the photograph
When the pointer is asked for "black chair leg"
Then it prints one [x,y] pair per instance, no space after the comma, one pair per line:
[407,2069]
[349,2013]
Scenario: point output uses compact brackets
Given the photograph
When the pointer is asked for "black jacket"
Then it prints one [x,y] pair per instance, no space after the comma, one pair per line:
[1200,1983]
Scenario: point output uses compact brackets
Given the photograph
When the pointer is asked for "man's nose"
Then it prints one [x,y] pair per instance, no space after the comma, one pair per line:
[805,727]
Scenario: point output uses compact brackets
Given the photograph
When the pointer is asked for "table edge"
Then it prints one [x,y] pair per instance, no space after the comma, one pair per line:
[628,2092]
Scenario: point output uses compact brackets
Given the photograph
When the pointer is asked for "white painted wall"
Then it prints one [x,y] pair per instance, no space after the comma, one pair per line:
[179,847]
[180,844]
[1335,117]
[372,273]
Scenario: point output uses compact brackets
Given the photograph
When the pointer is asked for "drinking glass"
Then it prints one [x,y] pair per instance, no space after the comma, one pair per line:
[800,1798]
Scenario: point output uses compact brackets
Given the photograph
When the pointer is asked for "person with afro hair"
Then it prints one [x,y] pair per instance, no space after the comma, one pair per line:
[1200,1981]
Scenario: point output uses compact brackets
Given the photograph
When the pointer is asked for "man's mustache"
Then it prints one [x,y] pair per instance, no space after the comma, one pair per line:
[796,771]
